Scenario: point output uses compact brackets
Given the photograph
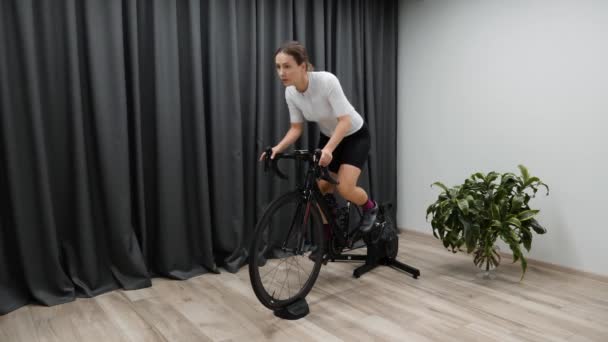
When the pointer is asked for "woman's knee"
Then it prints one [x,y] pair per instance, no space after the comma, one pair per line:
[346,189]
[325,186]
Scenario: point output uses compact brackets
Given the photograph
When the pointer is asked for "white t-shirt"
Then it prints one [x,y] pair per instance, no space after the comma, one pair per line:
[322,102]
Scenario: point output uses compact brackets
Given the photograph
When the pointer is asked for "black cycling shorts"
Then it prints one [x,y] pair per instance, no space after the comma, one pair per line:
[352,150]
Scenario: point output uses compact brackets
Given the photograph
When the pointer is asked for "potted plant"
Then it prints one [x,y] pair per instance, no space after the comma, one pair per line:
[487,207]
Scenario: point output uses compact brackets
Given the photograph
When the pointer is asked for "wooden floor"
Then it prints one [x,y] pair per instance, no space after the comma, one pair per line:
[448,302]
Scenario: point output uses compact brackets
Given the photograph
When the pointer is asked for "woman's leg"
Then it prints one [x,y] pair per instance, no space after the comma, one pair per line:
[348,176]
[326,188]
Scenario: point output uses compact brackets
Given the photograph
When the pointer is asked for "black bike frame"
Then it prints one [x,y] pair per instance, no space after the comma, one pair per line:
[314,196]
[310,189]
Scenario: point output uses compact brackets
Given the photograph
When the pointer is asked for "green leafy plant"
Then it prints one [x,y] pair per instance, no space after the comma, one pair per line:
[487,207]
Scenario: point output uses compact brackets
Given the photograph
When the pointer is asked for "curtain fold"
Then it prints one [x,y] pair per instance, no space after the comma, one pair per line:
[130,132]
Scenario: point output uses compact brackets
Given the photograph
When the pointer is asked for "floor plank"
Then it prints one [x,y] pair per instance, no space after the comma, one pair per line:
[448,301]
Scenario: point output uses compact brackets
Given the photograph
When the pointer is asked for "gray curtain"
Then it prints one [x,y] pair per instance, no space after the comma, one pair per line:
[130,131]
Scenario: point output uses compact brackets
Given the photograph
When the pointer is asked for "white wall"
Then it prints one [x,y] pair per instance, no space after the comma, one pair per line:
[487,85]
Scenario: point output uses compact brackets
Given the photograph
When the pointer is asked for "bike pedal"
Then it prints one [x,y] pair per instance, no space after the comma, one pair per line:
[358,244]
[325,259]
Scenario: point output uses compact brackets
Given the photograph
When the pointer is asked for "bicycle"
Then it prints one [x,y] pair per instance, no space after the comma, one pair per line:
[290,235]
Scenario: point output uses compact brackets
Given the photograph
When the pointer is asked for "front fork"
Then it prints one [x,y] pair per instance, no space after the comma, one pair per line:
[299,225]
[302,239]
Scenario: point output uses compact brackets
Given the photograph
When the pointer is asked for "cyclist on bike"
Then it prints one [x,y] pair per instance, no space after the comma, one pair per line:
[345,140]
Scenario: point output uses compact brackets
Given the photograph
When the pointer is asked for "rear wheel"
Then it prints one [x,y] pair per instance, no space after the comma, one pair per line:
[284,257]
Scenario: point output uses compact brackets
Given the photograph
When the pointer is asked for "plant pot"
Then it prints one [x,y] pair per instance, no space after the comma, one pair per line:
[487,259]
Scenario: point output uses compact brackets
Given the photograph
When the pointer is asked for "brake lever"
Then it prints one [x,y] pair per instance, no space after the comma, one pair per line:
[273,164]
[267,156]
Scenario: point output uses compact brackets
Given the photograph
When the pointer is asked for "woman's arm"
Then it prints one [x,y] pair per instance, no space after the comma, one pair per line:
[343,127]
[344,124]
[290,137]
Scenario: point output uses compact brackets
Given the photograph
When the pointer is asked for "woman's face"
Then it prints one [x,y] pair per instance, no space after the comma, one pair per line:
[288,70]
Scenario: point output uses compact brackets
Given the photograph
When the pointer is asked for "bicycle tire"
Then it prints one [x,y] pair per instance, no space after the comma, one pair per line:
[258,245]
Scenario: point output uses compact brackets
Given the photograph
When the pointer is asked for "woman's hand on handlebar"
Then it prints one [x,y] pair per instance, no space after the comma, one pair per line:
[275,150]
[326,157]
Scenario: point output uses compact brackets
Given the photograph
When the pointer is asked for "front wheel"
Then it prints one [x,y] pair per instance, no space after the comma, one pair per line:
[286,253]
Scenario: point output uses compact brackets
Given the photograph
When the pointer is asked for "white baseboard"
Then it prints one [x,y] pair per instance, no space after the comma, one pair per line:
[548,265]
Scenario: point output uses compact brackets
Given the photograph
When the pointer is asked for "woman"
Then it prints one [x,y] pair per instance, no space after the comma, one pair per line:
[344,141]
